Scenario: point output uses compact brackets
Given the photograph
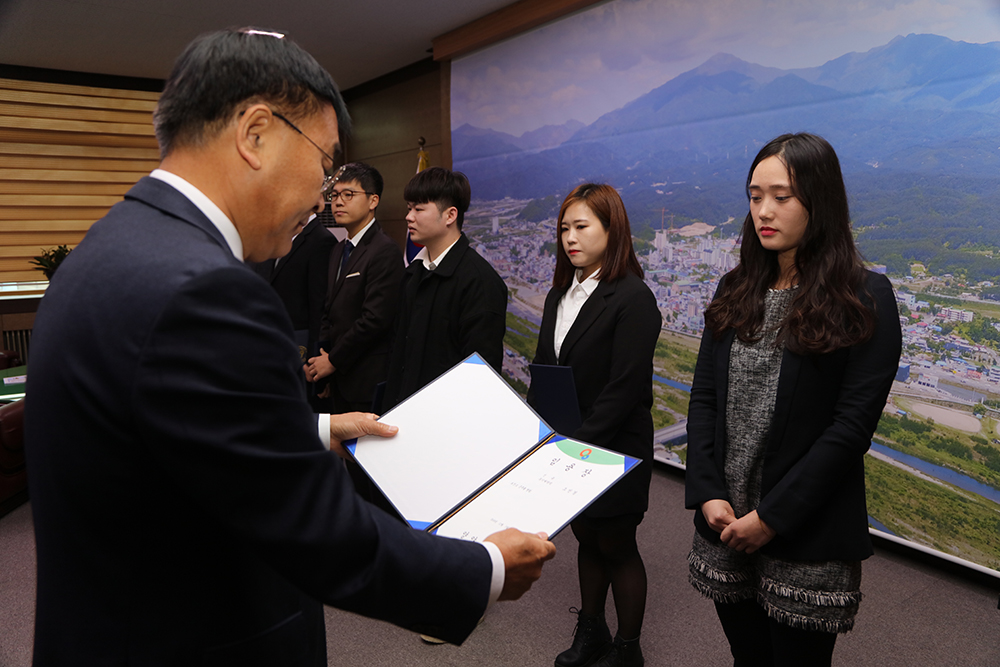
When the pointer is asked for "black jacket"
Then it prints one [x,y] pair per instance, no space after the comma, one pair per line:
[360,308]
[185,510]
[826,410]
[444,316]
[610,348]
[296,280]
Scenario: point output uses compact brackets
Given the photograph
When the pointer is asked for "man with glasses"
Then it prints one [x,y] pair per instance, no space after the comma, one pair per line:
[363,273]
[186,511]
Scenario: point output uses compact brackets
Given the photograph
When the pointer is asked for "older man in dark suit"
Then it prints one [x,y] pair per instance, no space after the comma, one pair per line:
[186,511]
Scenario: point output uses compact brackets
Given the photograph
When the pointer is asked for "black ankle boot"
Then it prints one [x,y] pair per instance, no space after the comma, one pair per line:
[590,639]
[622,654]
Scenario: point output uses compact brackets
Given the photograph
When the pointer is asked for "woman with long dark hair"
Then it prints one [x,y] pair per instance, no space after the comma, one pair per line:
[800,349]
[602,320]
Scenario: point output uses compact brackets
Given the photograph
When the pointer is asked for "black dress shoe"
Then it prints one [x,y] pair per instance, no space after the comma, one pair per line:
[591,638]
[622,654]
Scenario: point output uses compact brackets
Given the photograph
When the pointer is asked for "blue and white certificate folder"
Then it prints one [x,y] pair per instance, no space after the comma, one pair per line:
[471,458]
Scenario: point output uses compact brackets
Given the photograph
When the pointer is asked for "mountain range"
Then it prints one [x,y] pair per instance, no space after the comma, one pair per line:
[904,115]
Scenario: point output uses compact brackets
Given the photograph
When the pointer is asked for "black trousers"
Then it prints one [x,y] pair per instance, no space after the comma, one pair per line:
[756,640]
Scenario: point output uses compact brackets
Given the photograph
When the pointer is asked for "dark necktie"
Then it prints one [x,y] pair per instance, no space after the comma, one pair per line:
[348,247]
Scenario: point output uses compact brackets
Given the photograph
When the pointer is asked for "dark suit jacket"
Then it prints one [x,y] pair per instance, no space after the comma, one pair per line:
[360,308]
[297,279]
[826,409]
[444,316]
[610,348]
[185,511]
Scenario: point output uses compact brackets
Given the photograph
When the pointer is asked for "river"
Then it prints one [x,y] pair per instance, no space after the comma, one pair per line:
[940,472]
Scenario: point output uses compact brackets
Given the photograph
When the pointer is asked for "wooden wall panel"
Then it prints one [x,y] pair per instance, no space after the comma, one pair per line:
[503,23]
[390,114]
[67,154]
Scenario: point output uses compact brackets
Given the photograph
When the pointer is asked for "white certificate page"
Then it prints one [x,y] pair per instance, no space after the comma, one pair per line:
[541,494]
[455,435]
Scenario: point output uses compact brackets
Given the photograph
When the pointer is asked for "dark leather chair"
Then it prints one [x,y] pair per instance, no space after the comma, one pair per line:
[13,474]
[9,359]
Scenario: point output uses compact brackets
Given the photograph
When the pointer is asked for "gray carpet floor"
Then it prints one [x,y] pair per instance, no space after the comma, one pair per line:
[913,613]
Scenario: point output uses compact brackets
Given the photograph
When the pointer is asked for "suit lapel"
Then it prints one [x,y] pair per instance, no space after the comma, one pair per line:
[165,197]
[721,368]
[546,352]
[356,256]
[296,244]
[788,378]
[333,280]
[592,309]
[450,262]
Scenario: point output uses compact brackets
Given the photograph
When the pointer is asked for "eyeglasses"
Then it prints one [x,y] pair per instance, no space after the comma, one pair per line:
[346,195]
[329,181]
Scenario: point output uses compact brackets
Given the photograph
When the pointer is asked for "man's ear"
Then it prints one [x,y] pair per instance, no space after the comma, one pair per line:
[253,128]
[373,203]
[450,215]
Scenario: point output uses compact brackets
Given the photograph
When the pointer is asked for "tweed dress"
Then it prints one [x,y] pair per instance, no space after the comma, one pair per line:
[820,595]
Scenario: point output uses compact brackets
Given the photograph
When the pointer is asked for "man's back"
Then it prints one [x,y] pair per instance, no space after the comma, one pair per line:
[178,483]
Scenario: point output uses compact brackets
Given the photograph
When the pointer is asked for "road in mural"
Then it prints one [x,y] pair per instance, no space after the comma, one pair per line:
[916,123]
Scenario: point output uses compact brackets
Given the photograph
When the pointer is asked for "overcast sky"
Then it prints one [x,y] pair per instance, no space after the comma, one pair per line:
[597,60]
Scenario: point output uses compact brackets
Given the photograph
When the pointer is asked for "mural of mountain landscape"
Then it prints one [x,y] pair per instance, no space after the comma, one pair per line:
[916,123]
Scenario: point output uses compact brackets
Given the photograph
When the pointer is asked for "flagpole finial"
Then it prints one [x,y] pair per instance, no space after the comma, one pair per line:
[423,158]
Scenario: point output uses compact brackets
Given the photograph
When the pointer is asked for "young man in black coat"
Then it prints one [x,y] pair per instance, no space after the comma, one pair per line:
[452,302]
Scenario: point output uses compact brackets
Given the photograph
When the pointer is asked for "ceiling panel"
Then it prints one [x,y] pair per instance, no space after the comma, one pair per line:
[355,41]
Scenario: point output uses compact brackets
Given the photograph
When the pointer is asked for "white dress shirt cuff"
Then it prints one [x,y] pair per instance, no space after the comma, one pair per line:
[499,571]
[499,568]
[323,422]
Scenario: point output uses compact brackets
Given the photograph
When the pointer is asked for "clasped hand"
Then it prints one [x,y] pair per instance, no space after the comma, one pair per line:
[748,533]
[318,367]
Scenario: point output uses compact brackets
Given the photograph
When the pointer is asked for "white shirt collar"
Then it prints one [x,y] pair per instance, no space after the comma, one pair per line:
[361,233]
[430,264]
[589,284]
[206,206]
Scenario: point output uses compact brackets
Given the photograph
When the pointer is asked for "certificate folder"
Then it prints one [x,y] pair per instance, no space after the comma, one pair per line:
[471,458]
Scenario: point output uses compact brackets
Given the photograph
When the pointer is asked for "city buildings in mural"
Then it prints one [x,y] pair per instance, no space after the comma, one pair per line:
[947,389]
[919,148]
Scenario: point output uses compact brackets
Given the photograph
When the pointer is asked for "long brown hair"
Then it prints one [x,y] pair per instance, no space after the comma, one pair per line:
[619,256]
[826,313]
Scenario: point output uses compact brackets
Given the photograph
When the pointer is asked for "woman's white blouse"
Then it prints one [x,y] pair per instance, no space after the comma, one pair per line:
[571,303]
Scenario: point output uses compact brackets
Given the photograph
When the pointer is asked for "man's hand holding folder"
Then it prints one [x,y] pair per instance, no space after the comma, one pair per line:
[523,553]
[523,557]
[354,425]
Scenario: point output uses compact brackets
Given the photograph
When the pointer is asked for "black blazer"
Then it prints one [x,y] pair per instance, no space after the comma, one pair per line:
[185,511]
[826,410]
[360,308]
[444,316]
[296,279]
[610,348]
